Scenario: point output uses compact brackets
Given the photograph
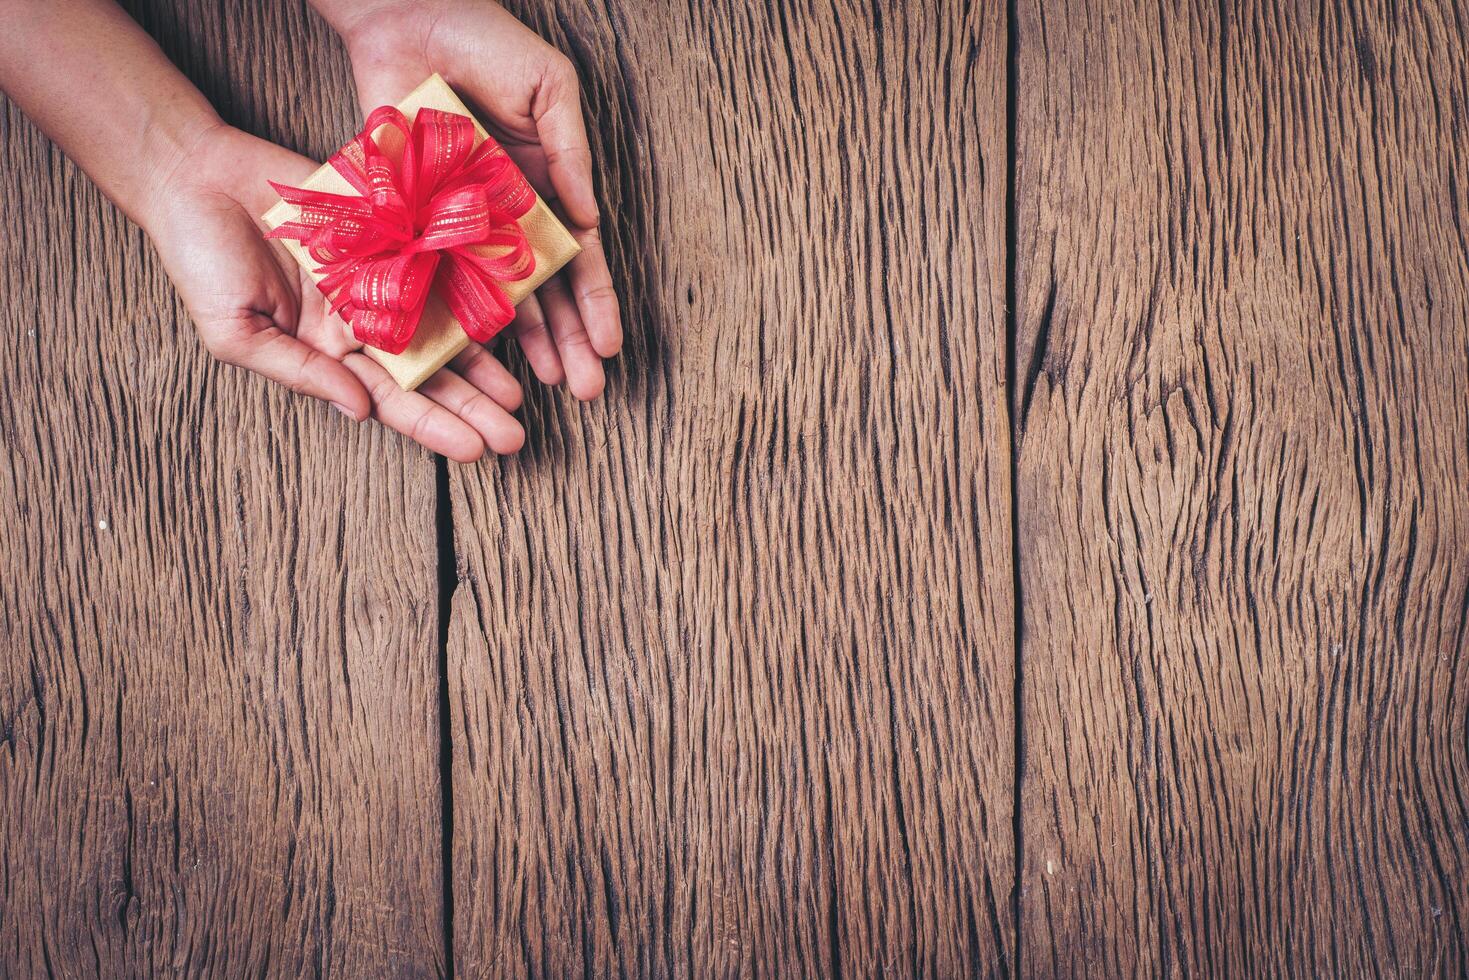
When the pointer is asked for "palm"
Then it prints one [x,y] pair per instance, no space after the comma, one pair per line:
[233,282]
[256,307]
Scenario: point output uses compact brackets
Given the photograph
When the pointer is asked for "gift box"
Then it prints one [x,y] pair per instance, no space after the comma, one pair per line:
[439,334]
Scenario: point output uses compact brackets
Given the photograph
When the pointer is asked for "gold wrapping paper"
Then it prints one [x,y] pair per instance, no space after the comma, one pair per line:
[439,337]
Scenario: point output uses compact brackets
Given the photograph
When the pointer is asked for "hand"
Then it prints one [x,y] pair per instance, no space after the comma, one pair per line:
[256,308]
[529,97]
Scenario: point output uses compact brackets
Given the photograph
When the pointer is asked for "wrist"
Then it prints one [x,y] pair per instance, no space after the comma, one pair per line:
[380,29]
[191,165]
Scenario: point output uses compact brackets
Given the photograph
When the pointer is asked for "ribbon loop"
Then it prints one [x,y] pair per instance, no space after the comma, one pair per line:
[432,209]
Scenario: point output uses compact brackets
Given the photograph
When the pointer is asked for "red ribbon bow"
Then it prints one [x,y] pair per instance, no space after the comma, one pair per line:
[442,214]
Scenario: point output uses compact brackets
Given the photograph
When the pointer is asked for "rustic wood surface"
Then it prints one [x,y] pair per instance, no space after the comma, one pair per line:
[1027,531]
[1243,357]
[219,748]
[730,660]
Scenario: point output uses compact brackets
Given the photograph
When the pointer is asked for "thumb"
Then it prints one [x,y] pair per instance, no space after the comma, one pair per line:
[556,110]
[264,348]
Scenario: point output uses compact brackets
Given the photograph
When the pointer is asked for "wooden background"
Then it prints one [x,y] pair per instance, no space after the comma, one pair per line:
[1026,533]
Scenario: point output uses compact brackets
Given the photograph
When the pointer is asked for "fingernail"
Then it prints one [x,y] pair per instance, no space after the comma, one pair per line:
[344,410]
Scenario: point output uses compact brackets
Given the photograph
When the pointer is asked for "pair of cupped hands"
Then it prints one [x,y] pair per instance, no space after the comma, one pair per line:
[256,308]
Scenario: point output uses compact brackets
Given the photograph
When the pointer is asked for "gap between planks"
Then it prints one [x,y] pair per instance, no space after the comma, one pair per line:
[1017,422]
[448,582]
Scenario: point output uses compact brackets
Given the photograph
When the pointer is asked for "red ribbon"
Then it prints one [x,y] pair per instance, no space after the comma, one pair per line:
[442,214]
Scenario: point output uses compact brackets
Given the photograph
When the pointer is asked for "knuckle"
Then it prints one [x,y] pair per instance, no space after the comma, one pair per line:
[310,363]
[420,427]
[227,338]
[551,290]
[473,355]
[383,390]
[556,156]
[531,325]
[474,406]
[297,382]
[560,70]
[603,293]
[220,344]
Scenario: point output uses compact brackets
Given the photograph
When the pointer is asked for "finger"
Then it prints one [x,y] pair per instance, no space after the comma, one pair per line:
[425,422]
[483,370]
[495,426]
[591,284]
[535,339]
[557,112]
[583,367]
[276,355]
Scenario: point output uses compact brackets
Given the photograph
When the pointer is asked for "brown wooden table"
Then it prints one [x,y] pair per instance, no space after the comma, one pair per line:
[1027,532]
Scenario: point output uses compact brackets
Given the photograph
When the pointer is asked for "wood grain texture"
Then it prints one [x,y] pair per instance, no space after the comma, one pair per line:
[1244,345]
[731,651]
[731,663]
[218,687]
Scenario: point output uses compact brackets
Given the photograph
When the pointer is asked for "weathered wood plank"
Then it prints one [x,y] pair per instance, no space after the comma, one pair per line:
[731,656]
[218,649]
[1244,333]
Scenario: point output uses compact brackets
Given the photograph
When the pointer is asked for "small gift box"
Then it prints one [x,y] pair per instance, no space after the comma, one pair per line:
[422,233]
